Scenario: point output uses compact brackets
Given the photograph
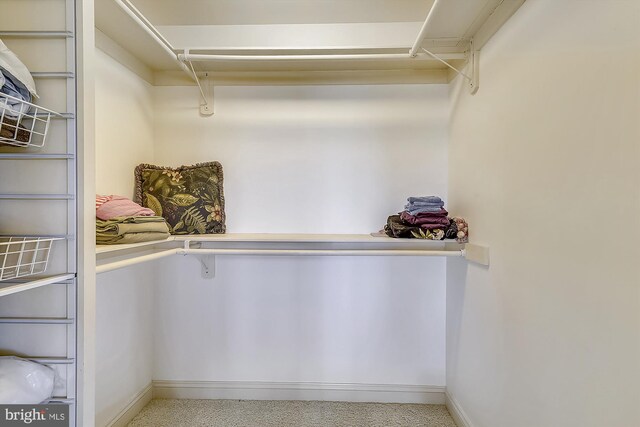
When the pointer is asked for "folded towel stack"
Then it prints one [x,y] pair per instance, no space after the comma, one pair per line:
[121,221]
[109,207]
[425,217]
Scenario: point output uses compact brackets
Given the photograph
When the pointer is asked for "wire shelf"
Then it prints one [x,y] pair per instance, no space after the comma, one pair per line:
[24,256]
[23,124]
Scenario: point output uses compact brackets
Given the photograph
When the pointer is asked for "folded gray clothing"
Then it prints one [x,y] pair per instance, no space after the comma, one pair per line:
[419,210]
[424,199]
[440,203]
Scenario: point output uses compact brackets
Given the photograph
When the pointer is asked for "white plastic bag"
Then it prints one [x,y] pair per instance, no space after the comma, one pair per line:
[24,382]
[10,62]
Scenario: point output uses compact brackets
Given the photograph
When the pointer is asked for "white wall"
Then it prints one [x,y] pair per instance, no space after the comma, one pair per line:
[124,137]
[544,164]
[124,344]
[124,125]
[311,159]
[305,159]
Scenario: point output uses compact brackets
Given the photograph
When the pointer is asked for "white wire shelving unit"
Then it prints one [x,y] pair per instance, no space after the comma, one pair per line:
[31,265]
[22,123]
[24,256]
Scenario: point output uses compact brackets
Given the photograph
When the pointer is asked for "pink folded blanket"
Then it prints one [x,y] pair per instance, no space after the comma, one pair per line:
[116,206]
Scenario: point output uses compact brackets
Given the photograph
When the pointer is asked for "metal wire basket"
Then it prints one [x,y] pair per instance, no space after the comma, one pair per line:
[24,256]
[23,124]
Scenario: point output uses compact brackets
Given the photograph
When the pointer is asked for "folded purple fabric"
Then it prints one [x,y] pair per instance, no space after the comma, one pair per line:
[121,206]
[438,219]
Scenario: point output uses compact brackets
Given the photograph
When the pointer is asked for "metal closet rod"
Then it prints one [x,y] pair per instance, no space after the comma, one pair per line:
[187,56]
[150,29]
[275,252]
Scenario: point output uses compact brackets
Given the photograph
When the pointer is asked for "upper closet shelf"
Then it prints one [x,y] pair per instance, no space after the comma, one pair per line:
[266,240]
[114,257]
[425,41]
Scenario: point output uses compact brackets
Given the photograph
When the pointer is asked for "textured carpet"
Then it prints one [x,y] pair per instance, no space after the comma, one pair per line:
[268,413]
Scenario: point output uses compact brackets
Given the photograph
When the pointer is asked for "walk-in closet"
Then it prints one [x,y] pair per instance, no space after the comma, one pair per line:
[319,213]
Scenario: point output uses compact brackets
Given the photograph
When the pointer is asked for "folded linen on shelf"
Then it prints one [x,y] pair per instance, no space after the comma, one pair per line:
[109,207]
[124,230]
[426,218]
[395,227]
[101,200]
[423,204]
[424,199]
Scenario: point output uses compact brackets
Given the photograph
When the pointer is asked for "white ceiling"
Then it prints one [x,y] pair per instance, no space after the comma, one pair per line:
[219,24]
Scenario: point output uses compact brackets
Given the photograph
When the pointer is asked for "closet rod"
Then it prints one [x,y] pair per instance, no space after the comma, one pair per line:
[187,56]
[137,260]
[51,360]
[321,252]
[423,31]
[52,75]
[275,252]
[148,27]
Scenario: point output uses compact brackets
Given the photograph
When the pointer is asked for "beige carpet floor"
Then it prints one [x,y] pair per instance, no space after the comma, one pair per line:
[268,413]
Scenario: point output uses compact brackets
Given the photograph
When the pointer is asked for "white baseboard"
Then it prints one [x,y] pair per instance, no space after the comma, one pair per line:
[456,411]
[249,390]
[138,402]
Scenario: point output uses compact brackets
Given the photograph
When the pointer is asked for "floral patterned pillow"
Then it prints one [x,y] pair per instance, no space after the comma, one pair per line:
[190,198]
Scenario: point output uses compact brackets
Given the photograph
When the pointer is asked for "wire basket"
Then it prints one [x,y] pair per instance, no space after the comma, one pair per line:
[24,256]
[23,124]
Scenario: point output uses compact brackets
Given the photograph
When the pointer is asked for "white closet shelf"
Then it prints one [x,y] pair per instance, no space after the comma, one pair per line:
[114,257]
[14,288]
[264,239]
[116,249]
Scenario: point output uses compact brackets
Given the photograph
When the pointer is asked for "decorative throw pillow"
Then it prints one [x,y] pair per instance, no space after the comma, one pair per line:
[190,198]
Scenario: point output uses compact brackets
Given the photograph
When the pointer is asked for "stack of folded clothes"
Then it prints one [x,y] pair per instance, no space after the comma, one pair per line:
[120,221]
[19,87]
[426,218]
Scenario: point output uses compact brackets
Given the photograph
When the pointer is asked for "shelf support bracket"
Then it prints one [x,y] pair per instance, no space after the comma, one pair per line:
[206,108]
[474,61]
[208,263]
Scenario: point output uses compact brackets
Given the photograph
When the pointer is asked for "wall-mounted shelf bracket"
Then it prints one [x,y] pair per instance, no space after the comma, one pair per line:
[208,263]
[206,107]
[477,253]
[474,62]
